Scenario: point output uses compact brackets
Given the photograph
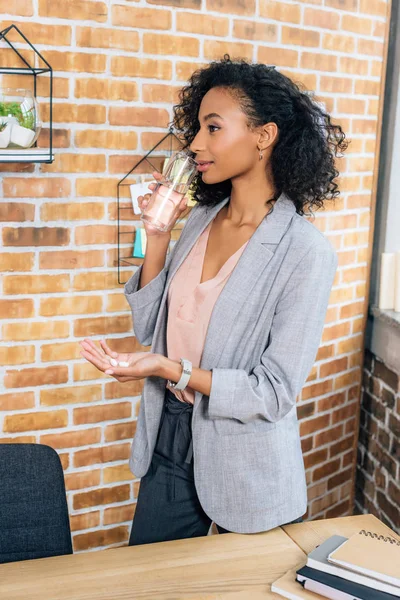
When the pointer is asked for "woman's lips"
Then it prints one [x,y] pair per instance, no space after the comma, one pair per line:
[204,166]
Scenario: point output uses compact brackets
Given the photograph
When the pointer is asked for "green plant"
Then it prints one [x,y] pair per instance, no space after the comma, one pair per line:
[14,109]
[3,126]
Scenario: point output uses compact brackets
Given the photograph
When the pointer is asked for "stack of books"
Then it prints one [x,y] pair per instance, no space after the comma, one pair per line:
[365,566]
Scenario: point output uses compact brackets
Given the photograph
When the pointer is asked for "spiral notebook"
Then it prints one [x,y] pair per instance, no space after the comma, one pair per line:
[371,554]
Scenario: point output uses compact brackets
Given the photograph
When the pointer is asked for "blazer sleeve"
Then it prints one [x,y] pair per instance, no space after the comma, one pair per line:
[145,303]
[269,391]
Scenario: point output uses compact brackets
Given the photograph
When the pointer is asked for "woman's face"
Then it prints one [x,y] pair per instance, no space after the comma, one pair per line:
[224,143]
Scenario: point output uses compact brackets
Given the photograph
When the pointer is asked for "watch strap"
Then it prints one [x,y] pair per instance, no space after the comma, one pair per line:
[185,376]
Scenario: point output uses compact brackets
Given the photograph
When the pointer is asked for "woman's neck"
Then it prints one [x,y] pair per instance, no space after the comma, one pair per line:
[248,201]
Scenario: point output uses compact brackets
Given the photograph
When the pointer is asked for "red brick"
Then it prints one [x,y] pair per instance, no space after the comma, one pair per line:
[178,3]
[102,37]
[16,309]
[203,24]
[316,457]
[72,439]
[77,163]
[35,236]
[323,19]
[17,401]
[75,394]
[326,469]
[104,454]
[94,539]
[114,389]
[127,66]
[280,11]
[214,49]
[102,325]
[16,211]
[74,9]
[120,431]
[72,211]
[118,514]
[96,414]
[117,473]
[35,284]
[42,187]
[61,138]
[35,421]
[106,89]
[142,18]
[312,425]
[64,112]
[71,305]
[167,44]
[87,520]
[18,261]
[138,117]
[76,62]
[71,259]
[119,140]
[332,367]
[293,36]
[36,376]
[86,479]
[118,493]
[283,58]
[21,8]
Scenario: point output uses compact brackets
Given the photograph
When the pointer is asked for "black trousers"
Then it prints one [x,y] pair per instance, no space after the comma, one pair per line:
[167,506]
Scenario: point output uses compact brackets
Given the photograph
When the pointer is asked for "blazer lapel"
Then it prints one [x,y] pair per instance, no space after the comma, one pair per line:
[184,245]
[189,237]
[238,288]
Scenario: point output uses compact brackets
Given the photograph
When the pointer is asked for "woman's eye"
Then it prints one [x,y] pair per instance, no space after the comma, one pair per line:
[212,128]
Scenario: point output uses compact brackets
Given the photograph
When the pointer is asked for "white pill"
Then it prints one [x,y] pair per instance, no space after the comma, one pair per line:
[114,362]
[122,363]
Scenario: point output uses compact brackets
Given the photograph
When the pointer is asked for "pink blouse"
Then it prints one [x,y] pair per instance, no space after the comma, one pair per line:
[190,304]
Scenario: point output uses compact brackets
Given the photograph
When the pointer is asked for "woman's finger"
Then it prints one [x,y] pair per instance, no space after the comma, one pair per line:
[99,364]
[121,372]
[89,346]
[108,350]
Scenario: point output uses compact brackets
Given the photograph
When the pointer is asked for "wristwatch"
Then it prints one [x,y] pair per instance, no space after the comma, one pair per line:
[186,373]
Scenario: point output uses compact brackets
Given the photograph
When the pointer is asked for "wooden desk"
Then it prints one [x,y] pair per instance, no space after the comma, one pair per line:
[310,534]
[230,566]
[203,568]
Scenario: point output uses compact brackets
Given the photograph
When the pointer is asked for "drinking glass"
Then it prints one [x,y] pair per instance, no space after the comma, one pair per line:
[162,209]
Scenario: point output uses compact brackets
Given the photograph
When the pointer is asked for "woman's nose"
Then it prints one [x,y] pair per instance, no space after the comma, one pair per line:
[197,144]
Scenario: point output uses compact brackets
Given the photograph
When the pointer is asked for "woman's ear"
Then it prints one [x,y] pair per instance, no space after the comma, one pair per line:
[267,136]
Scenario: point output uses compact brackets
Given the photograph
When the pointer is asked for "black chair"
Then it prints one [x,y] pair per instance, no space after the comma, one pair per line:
[34,520]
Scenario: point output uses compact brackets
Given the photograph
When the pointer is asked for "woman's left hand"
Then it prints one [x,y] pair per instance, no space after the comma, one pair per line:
[138,365]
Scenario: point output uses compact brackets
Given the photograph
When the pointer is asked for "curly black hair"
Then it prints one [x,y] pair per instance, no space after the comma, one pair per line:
[303,159]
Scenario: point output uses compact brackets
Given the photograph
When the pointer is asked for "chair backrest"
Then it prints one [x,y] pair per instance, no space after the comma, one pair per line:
[34,520]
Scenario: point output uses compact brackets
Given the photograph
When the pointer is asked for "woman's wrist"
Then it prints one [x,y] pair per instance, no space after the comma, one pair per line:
[169,369]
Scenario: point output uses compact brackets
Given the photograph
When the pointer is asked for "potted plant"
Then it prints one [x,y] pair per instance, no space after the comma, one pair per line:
[19,119]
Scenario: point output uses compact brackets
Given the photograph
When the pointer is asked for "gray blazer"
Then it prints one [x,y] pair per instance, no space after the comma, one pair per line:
[261,343]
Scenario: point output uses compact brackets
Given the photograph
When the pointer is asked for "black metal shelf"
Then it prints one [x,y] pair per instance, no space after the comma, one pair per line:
[123,197]
[34,154]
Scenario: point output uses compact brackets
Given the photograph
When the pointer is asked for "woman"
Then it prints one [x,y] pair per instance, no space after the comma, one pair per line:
[241,299]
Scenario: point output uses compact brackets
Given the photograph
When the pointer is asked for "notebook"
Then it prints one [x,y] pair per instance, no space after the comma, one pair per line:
[287,587]
[370,554]
[318,559]
[337,588]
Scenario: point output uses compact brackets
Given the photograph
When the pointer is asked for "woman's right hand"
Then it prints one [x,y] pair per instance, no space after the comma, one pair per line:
[143,202]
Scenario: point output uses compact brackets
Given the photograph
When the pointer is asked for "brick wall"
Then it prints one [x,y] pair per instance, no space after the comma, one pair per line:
[118,67]
[378,462]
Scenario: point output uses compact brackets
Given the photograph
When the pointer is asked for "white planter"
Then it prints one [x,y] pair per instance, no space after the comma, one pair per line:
[5,136]
[22,136]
